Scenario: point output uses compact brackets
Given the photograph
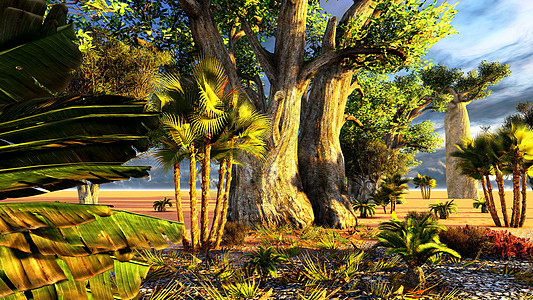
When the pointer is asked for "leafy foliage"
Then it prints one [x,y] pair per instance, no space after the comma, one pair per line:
[415,241]
[161,205]
[264,261]
[366,209]
[443,209]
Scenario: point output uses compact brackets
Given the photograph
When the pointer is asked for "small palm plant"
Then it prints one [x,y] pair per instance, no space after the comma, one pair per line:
[265,261]
[415,241]
[481,203]
[394,187]
[366,209]
[381,198]
[161,205]
[443,209]
[425,183]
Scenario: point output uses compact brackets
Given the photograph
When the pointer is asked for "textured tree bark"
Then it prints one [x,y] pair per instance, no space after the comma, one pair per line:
[204,218]
[516,190]
[84,193]
[501,193]
[524,202]
[273,194]
[457,126]
[487,190]
[320,159]
[195,235]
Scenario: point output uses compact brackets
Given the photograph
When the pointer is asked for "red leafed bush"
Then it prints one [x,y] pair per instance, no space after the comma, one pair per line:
[506,245]
[470,241]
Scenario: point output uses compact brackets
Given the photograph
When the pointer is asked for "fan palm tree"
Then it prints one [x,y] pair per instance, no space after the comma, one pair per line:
[161,205]
[478,161]
[381,198]
[425,183]
[245,134]
[517,152]
[415,241]
[395,187]
[218,121]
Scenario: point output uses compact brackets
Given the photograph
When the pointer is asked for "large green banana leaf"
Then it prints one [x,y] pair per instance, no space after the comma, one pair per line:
[37,55]
[60,249]
[50,144]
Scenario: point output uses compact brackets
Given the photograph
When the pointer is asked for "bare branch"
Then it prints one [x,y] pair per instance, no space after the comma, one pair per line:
[348,117]
[328,42]
[311,67]
[263,56]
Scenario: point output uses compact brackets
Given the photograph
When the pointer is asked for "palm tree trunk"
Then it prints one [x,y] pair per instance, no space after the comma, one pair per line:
[501,193]
[220,198]
[524,202]
[206,168]
[385,209]
[516,191]
[226,204]
[179,206]
[415,278]
[192,195]
[487,190]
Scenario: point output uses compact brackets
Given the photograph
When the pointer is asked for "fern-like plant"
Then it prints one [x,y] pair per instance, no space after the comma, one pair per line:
[415,241]
[481,203]
[265,261]
[443,209]
[366,209]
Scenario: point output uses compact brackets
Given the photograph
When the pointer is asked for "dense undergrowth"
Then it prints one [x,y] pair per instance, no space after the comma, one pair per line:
[318,263]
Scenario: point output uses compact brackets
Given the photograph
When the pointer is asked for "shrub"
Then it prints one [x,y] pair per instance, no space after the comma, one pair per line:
[506,245]
[161,205]
[264,261]
[443,209]
[469,241]
[366,209]
[418,215]
[235,233]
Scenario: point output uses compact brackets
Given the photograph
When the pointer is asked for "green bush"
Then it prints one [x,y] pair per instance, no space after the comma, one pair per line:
[469,241]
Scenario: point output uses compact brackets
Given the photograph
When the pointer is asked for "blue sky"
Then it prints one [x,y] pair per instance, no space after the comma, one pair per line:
[493,30]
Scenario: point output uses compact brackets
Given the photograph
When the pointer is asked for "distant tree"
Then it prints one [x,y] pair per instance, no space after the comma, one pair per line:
[425,183]
[111,67]
[463,89]
[387,139]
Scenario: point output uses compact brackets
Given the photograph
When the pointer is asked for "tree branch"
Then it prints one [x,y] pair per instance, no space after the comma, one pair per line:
[191,7]
[263,56]
[328,42]
[311,67]
[348,117]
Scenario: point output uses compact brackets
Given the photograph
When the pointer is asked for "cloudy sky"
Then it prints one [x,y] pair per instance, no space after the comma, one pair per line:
[492,30]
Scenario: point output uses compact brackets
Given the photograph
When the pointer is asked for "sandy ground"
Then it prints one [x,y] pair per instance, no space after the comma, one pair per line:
[142,201]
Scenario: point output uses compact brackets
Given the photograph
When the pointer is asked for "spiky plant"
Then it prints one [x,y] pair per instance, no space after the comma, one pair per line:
[161,205]
[443,209]
[415,241]
[365,209]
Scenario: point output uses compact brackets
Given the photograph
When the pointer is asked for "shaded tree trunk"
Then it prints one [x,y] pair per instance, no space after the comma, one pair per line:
[501,193]
[273,193]
[415,278]
[457,126]
[524,202]
[225,206]
[220,198]
[88,192]
[515,216]
[487,190]
[204,218]
[321,163]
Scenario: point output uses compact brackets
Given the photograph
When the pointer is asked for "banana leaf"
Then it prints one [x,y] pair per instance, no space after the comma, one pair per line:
[55,243]
[25,73]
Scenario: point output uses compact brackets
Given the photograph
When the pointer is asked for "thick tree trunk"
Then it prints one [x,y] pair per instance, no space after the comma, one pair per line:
[415,278]
[273,194]
[84,193]
[320,159]
[457,126]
